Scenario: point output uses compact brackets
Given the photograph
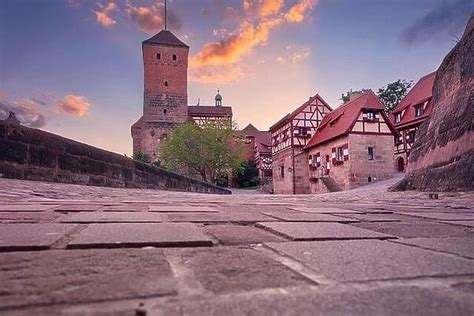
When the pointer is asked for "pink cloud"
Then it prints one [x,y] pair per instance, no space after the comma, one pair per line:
[151,18]
[74,105]
[103,16]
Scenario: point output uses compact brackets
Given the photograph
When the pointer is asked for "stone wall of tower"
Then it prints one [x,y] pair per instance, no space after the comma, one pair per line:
[165,98]
[166,83]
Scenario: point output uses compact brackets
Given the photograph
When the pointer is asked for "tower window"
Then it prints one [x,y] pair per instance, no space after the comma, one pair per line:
[370,152]
[158,56]
[165,111]
[174,57]
[166,83]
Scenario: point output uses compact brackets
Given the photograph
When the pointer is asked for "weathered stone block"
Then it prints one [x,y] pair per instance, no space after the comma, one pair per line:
[13,151]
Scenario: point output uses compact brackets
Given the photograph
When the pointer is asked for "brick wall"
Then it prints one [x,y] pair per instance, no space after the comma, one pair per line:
[32,154]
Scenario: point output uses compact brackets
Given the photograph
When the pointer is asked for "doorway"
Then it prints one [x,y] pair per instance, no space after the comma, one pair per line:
[401,164]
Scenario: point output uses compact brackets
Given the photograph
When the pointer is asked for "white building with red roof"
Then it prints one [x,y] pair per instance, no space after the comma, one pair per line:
[407,116]
[353,146]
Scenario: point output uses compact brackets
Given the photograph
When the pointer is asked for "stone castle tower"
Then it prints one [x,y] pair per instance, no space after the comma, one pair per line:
[165,97]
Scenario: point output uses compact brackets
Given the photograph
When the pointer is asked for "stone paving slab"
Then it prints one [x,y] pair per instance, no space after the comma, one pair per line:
[444,216]
[182,208]
[78,208]
[228,269]
[363,260]
[25,207]
[229,234]
[418,229]
[15,237]
[66,276]
[219,217]
[463,246]
[125,208]
[140,235]
[290,216]
[460,223]
[114,217]
[320,231]
[380,217]
[327,210]
[401,300]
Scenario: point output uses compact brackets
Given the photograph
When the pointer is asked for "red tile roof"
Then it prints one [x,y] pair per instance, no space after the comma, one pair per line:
[217,111]
[291,115]
[421,92]
[340,121]
[263,139]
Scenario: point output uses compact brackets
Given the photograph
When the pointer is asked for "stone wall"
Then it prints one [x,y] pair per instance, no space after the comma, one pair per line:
[283,185]
[301,173]
[442,156]
[32,154]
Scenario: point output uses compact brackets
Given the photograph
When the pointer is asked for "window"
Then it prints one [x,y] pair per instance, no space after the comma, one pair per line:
[158,56]
[398,117]
[418,110]
[340,154]
[282,171]
[303,131]
[165,111]
[370,152]
[370,116]
[369,179]
[166,83]
[174,57]
[411,136]
[398,140]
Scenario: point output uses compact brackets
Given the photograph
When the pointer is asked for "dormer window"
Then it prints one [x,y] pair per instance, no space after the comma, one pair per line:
[398,117]
[174,57]
[158,56]
[419,110]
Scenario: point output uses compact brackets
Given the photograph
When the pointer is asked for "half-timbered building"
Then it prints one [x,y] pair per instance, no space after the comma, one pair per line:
[259,150]
[289,136]
[352,146]
[408,115]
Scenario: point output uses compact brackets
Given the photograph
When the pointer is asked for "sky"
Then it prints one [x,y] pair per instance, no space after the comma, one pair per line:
[74,67]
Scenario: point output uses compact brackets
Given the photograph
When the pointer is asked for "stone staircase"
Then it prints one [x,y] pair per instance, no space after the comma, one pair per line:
[330,184]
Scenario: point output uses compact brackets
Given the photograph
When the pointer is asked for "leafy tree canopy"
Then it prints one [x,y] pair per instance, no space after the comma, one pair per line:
[210,151]
[141,157]
[248,175]
[393,93]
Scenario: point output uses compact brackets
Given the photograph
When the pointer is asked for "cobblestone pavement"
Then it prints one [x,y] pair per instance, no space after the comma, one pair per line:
[78,250]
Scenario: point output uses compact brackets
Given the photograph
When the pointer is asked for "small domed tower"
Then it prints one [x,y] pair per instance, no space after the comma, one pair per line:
[218,99]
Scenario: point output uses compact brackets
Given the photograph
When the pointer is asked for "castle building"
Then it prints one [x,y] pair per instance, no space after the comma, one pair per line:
[165,97]
[289,136]
[353,146]
[259,149]
[408,115]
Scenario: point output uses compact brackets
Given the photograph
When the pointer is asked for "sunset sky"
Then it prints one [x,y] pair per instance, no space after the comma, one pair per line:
[74,67]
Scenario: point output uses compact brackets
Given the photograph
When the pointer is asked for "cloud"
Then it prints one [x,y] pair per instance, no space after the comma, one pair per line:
[262,8]
[294,56]
[103,16]
[251,32]
[297,13]
[74,105]
[446,19]
[151,18]
[26,111]
[213,74]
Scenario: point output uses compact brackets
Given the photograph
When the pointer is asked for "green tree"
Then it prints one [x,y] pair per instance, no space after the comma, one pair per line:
[393,93]
[210,151]
[143,157]
[248,175]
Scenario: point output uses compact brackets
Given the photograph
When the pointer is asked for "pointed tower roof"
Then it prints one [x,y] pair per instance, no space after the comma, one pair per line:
[165,37]
[250,129]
